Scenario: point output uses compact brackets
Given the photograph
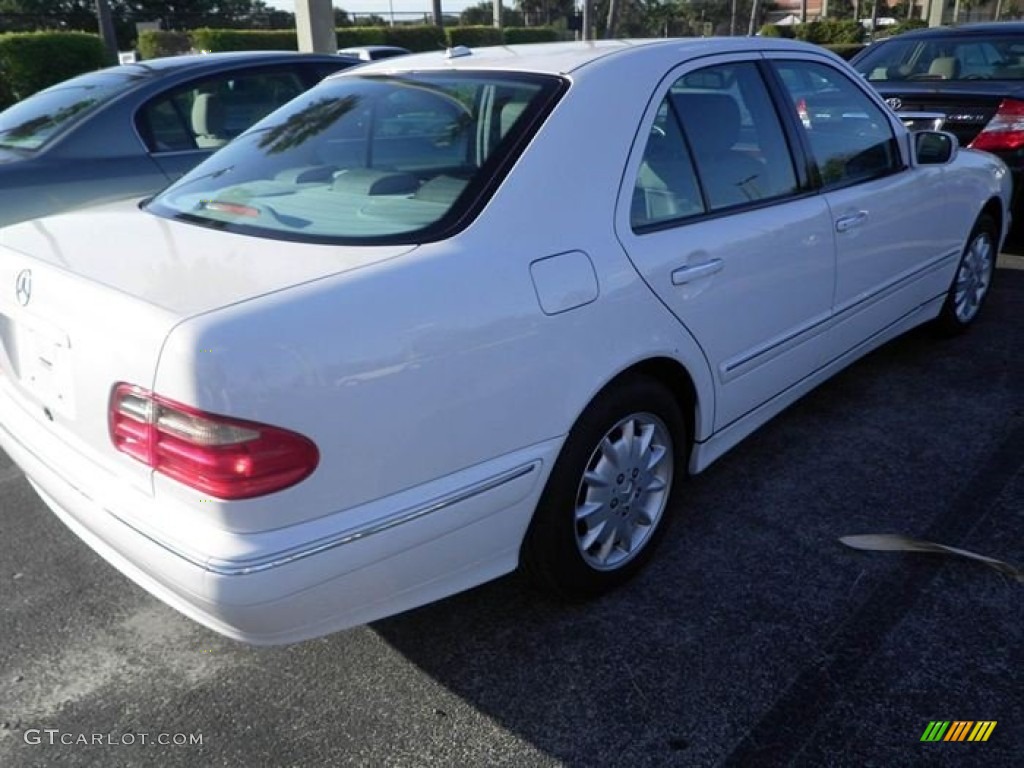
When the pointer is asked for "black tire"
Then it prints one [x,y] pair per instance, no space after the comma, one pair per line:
[972,280]
[553,554]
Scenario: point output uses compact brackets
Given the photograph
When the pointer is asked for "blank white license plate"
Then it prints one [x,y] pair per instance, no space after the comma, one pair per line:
[44,365]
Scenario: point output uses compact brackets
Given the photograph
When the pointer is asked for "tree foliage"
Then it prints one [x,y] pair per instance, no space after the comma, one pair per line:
[482,15]
[833,31]
[537,13]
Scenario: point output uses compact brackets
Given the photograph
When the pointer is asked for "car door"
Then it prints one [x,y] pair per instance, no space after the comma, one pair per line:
[720,221]
[184,125]
[892,240]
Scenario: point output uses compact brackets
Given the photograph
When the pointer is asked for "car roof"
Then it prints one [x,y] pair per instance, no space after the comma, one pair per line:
[563,58]
[201,61]
[990,28]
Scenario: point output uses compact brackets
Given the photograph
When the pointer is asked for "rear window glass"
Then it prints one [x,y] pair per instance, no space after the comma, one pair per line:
[945,58]
[32,123]
[366,158]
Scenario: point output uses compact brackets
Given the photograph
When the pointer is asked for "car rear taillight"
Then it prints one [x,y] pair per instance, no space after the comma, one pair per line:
[803,113]
[223,457]
[1005,130]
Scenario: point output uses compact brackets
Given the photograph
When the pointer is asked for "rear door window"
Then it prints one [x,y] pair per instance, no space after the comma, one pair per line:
[734,134]
[666,187]
[208,113]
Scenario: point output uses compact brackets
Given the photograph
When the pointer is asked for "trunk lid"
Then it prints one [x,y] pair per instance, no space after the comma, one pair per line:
[87,300]
[179,267]
[966,107]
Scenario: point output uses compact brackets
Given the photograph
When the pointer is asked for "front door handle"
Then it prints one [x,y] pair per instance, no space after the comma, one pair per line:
[845,223]
[685,275]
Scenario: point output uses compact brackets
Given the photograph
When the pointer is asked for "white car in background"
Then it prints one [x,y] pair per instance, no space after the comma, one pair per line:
[441,317]
[374,52]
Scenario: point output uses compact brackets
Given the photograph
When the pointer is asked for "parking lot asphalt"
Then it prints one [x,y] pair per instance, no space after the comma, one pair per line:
[754,638]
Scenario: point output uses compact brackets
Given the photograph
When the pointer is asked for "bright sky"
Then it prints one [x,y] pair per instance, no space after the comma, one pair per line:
[381,7]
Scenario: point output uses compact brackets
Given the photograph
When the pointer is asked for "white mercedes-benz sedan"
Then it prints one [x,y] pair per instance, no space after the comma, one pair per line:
[450,314]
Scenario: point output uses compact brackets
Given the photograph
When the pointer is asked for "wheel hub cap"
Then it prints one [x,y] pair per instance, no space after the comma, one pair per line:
[624,491]
[973,278]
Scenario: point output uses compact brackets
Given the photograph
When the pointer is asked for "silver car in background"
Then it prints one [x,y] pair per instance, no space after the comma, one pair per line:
[128,131]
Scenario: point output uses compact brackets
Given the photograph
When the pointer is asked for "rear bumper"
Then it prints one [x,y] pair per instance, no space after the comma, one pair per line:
[422,545]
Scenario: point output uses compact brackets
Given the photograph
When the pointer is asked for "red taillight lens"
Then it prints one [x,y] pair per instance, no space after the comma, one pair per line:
[1005,130]
[803,113]
[226,458]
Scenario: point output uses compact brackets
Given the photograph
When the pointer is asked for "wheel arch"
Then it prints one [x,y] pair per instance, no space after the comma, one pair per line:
[655,382]
[994,209]
[677,379]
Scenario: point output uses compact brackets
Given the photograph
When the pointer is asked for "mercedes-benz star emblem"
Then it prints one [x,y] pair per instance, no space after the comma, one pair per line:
[895,102]
[23,286]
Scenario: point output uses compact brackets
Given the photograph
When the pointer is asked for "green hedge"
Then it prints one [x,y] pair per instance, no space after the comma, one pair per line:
[907,25]
[419,38]
[350,37]
[846,50]
[830,31]
[31,61]
[475,37]
[154,43]
[841,32]
[207,39]
[518,35]
[774,30]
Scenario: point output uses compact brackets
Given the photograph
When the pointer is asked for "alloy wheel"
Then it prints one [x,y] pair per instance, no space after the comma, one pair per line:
[624,491]
[974,277]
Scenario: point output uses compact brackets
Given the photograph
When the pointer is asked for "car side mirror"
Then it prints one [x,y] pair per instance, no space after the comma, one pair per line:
[935,147]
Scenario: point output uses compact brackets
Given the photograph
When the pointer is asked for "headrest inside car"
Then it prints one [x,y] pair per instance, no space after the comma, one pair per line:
[368,181]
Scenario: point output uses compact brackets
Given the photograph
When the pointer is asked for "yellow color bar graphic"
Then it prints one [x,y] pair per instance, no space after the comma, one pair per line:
[982,730]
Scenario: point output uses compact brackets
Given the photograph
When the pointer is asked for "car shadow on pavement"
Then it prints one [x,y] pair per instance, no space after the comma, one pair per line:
[754,633]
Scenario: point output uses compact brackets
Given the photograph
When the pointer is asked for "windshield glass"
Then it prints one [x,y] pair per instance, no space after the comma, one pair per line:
[945,58]
[31,123]
[366,159]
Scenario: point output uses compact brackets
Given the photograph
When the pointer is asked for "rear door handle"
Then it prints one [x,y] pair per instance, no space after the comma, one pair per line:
[685,275]
[845,223]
